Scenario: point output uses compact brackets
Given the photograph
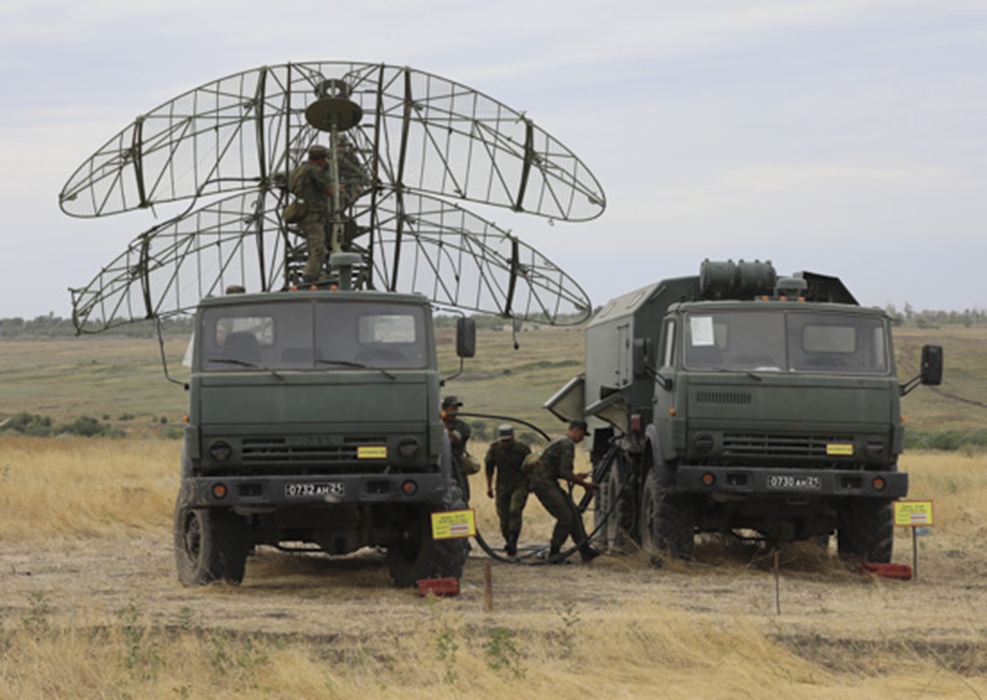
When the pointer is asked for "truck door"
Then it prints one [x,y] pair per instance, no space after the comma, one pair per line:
[664,396]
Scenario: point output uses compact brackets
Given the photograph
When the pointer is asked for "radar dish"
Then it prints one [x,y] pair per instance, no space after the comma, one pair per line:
[405,149]
[442,251]
[425,134]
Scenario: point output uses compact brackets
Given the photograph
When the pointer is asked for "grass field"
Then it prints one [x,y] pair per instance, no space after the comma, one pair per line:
[90,608]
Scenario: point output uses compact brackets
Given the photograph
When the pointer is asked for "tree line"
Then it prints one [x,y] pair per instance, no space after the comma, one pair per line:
[52,326]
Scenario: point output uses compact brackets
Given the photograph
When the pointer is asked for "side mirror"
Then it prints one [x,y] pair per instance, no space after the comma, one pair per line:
[931,373]
[932,365]
[465,337]
[643,350]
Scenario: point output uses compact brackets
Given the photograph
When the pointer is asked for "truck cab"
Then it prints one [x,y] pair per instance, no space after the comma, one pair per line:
[739,400]
[314,422]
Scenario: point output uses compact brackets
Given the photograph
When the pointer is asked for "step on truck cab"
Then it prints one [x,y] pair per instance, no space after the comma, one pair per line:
[314,423]
[741,401]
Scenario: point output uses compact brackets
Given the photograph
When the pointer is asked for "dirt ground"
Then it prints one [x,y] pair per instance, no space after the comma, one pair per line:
[824,607]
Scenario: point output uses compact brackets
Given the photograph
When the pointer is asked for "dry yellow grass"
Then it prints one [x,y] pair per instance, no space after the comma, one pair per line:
[80,487]
[650,641]
[639,651]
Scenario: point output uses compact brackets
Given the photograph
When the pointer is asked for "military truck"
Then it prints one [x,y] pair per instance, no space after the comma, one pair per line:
[314,423]
[741,401]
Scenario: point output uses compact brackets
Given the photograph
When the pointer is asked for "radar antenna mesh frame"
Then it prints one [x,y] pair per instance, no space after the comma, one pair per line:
[427,143]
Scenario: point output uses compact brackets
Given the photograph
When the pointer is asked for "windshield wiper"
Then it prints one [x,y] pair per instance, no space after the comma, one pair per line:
[749,372]
[360,365]
[244,363]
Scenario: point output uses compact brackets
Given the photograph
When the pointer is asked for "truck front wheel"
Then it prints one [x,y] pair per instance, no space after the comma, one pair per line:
[210,545]
[412,553]
[668,521]
[866,530]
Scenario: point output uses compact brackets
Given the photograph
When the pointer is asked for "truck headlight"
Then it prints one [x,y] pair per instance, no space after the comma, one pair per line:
[220,450]
[408,447]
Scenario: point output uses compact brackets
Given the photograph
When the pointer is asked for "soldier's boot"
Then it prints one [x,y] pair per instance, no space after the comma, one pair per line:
[510,547]
[589,553]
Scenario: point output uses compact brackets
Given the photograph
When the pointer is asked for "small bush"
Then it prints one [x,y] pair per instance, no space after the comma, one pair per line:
[947,440]
[29,424]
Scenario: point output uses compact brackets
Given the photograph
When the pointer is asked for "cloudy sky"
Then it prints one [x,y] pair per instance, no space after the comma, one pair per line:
[847,137]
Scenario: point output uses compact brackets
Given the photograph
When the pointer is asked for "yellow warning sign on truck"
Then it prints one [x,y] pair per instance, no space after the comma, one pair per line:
[913,513]
[453,523]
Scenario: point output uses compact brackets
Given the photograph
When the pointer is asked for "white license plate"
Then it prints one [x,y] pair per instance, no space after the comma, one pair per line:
[802,483]
[314,489]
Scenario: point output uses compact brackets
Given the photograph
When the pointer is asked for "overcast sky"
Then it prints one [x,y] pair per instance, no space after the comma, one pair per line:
[846,137]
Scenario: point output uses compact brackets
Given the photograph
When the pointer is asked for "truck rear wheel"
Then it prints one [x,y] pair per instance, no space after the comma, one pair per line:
[667,521]
[615,503]
[412,554]
[866,530]
[210,545]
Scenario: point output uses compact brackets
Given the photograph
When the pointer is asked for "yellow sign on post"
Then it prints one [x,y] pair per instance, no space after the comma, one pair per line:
[453,523]
[913,513]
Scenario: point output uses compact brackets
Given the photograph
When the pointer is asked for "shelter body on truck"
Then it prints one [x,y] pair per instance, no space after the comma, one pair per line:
[738,400]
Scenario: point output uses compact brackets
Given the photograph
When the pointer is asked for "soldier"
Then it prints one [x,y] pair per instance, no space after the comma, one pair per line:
[506,457]
[556,463]
[353,177]
[459,435]
[311,183]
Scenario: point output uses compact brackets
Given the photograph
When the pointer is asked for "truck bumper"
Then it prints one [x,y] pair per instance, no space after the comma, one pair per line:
[743,481]
[266,493]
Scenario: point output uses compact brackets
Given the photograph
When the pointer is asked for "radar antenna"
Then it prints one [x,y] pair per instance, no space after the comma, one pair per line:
[408,148]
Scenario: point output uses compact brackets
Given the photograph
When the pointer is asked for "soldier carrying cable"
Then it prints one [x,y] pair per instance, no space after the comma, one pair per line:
[557,462]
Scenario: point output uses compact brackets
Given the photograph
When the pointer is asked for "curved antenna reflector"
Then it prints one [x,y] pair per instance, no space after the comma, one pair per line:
[436,248]
[423,134]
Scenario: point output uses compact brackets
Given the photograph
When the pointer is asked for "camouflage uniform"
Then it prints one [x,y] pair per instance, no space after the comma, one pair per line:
[506,459]
[310,183]
[352,175]
[556,463]
[459,434]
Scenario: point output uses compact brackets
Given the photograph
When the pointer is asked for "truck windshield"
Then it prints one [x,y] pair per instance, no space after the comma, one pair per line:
[786,341]
[329,336]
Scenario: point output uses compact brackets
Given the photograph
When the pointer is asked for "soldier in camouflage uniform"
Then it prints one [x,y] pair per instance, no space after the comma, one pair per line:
[506,457]
[459,435]
[353,177]
[311,183]
[556,463]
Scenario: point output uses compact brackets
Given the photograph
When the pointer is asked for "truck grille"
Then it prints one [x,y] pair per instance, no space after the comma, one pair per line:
[759,445]
[276,450]
[733,398]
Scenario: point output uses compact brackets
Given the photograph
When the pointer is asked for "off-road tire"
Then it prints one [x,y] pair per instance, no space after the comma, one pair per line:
[210,545]
[866,531]
[413,555]
[615,509]
[667,522]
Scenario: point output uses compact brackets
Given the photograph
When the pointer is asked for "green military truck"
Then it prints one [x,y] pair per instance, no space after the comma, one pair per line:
[314,423]
[741,401]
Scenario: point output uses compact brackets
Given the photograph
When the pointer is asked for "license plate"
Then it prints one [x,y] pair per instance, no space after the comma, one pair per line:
[801,483]
[314,489]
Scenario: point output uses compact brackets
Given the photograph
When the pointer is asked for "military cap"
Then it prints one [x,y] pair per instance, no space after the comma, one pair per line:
[505,432]
[579,424]
[451,401]
[318,151]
